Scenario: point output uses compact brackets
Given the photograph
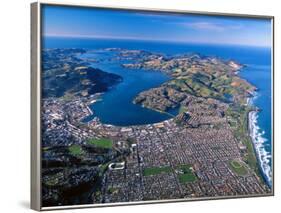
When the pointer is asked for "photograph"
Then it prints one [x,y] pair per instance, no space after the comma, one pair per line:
[142,106]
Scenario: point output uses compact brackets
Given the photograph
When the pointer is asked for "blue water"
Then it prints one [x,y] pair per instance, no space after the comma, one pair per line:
[116,106]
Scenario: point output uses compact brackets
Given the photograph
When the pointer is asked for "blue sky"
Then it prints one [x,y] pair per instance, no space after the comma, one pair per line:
[99,23]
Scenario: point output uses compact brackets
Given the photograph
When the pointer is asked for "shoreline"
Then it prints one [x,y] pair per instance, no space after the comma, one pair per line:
[253,129]
[258,144]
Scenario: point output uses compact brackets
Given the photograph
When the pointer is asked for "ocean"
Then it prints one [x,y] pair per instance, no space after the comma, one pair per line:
[116,106]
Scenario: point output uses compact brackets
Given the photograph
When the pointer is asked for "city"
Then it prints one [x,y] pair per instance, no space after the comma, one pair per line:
[198,153]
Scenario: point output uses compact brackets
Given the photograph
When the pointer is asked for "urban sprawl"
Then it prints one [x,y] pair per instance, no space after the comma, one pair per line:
[203,151]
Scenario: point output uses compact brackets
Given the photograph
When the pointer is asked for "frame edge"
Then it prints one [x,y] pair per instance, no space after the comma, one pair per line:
[35,195]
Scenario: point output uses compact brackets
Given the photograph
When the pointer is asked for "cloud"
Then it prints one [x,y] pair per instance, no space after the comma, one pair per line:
[193,22]
[205,26]
[210,26]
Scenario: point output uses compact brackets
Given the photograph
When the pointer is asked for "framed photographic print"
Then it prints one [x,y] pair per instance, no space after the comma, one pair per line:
[134,106]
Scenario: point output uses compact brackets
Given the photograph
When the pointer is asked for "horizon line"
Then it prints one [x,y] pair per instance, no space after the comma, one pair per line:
[150,39]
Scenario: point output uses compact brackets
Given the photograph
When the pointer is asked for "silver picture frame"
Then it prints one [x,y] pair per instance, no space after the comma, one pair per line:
[36,36]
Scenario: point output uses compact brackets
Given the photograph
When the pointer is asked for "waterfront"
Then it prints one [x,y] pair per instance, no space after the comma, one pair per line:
[116,106]
[210,150]
[257,72]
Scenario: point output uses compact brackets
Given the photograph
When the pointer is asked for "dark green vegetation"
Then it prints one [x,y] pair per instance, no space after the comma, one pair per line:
[185,174]
[75,150]
[238,167]
[113,190]
[54,179]
[238,120]
[70,173]
[156,170]
[75,172]
[103,168]
[205,78]
[102,142]
[194,75]
[66,76]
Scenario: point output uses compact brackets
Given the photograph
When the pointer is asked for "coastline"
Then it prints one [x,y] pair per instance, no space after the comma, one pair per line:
[258,144]
[253,129]
[167,140]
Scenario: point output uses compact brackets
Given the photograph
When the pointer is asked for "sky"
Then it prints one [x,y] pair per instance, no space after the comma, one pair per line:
[64,21]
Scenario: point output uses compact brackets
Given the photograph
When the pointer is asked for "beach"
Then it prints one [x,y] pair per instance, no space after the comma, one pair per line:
[258,142]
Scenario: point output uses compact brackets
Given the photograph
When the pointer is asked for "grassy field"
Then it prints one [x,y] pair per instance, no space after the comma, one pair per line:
[75,150]
[187,178]
[101,142]
[186,174]
[156,170]
[238,168]
[240,116]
